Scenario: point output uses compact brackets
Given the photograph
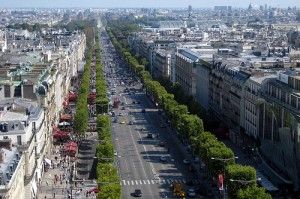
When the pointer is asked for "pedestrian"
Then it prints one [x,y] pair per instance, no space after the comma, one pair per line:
[53,194]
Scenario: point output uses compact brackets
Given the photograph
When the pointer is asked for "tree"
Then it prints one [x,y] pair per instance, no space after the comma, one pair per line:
[236,173]
[253,193]
[218,158]
[110,191]
[105,151]
[107,173]
[190,125]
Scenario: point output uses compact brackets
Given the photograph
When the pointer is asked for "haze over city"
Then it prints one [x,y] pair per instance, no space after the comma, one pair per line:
[142,3]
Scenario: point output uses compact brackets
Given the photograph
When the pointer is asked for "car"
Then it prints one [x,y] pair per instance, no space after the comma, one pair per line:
[163,158]
[162,143]
[130,123]
[186,161]
[196,160]
[150,135]
[191,193]
[120,114]
[143,111]
[137,193]
[122,122]
[163,126]
[123,108]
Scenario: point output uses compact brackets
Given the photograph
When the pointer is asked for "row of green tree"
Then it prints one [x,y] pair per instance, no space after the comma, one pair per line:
[218,158]
[82,115]
[107,174]
[102,102]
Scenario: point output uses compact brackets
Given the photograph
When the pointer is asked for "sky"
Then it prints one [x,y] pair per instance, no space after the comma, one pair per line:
[143,3]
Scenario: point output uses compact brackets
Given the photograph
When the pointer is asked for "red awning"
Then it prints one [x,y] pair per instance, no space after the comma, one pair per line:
[72,96]
[65,117]
[70,147]
[61,134]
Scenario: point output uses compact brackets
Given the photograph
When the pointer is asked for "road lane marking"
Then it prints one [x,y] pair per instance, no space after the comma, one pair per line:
[136,182]
[152,181]
[128,182]
[144,181]
[148,181]
[141,182]
[124,182]
[132,182]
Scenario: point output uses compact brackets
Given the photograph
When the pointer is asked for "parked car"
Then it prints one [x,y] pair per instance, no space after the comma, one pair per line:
[143,111]
[191,193]
[186,161]
[163,126]
[162,143]
[163,158]
[150,135]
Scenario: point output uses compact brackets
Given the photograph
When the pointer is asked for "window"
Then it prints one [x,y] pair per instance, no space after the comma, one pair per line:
[6,91]
[19,140]
[293,101]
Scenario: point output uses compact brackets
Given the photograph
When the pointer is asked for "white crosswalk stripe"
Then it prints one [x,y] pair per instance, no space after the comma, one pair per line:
[151,182]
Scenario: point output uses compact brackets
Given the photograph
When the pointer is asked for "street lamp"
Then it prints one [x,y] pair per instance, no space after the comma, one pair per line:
[224,160]
[245,182]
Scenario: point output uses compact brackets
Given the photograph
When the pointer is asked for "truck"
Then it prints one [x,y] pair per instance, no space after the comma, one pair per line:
[178,190]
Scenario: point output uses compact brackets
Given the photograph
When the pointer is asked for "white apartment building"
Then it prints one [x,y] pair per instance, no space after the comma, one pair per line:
[11,171]
[22,122]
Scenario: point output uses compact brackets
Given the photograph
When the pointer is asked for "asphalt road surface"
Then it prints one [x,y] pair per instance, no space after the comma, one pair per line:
[143,162]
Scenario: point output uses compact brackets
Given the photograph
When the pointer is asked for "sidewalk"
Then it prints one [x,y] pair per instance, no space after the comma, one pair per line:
[55,182]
